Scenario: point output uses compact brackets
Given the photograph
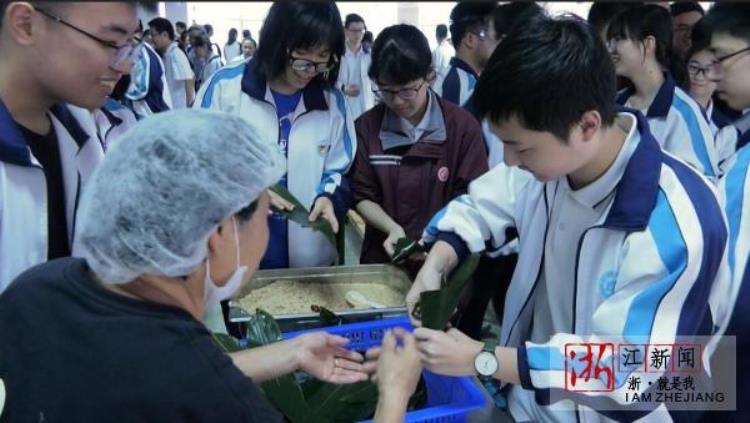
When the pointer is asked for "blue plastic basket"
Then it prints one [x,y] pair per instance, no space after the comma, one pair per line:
[449,399]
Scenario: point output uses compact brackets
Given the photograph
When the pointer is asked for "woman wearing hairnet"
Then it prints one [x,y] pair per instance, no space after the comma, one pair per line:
[173,222]
[287,92]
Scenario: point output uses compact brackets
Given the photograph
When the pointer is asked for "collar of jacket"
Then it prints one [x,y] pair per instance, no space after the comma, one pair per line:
[391,134]
[636,193]
[13,146]
[456,62]
[313,94]
[662,102]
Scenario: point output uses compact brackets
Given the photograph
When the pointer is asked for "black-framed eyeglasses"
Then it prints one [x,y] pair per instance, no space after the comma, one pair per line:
[720,59]
[123,53]
[694,69]
[304,65]
[404,94]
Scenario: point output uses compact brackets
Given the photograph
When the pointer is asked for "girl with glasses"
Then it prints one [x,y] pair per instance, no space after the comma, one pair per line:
[415,151]
[286,90]
[640,43]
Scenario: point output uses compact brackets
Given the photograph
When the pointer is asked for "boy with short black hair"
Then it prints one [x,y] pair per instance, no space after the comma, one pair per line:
[619,240]
[730,40]
[473,37]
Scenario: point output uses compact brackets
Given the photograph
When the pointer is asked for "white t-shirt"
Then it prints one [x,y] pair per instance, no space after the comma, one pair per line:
[232,50]
[572,212]
[441,57]
[177,69]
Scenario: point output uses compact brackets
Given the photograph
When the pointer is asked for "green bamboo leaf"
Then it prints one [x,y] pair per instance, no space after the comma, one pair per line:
[226,343]
[262,329]
[436,307]
[404,248]
[300,214]
[328,317]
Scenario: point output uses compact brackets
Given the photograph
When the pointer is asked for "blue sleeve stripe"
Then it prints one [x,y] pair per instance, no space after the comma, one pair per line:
[545,358]
[432,226]
[341,104]
[220,75]
[673,253]
[695,315]
[735,193]
[696,136]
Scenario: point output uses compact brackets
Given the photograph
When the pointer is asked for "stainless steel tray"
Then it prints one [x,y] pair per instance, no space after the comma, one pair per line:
[367,273]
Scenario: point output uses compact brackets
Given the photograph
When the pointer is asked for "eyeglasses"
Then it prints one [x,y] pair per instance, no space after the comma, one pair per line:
[720,59]
[482,34]
[124,53]
[694,69]
[404,94]
[304,65]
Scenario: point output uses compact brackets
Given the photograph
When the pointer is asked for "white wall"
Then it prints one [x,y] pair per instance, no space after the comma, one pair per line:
[377,15]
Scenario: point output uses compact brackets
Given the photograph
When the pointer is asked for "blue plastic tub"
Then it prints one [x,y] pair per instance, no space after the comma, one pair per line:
[449,399]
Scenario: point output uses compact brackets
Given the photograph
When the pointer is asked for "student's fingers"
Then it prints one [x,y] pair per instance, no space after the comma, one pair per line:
[330,216]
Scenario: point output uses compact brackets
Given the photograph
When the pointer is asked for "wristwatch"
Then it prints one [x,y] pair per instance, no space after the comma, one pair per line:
[485,363]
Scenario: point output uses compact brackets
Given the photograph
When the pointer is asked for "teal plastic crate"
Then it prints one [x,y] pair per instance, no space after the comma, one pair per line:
[449,399]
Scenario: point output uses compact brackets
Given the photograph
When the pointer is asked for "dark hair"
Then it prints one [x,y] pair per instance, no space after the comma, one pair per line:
[468,16]
[161,26]
[400,54]
[201,41]
[730,18]
[353,18]
[292,25]
[507,16]
[232,37]
[367,37]
[441,32]
[535,74]
[650,20]
[246,33]
[700,39]
[680,7]
[180,24]
[209,28]
[602,12]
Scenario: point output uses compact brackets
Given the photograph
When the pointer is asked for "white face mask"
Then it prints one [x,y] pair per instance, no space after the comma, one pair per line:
[213,294]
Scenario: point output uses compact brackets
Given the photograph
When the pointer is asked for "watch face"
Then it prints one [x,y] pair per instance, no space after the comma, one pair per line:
[485,363]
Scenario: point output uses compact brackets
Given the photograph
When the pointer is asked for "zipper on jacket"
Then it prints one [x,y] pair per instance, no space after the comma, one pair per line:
[539,269]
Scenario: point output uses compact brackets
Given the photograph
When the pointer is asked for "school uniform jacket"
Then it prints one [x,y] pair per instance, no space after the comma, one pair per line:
[411,182]
[457,85]
[148,91]
[678,124]
[643,273]
[23,187]
[320,150]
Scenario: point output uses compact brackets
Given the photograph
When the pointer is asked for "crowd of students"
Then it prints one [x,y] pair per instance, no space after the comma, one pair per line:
[600,168]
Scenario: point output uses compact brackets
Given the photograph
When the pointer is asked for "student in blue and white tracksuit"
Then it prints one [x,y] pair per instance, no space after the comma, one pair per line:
[290,99]
[48,147]
[676,120]
[617,238]
[473,36]
[731,44]
[148,92]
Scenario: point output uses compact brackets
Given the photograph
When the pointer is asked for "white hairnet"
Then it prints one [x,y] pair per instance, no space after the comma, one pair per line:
[160,193]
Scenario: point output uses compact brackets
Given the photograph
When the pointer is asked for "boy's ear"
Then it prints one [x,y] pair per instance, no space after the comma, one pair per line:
[591,123]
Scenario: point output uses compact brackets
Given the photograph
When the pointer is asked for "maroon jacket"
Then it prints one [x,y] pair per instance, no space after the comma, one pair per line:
[412,182]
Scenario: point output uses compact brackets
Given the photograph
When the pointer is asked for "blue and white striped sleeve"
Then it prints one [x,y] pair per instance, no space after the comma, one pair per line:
[477,221]
[689,136]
